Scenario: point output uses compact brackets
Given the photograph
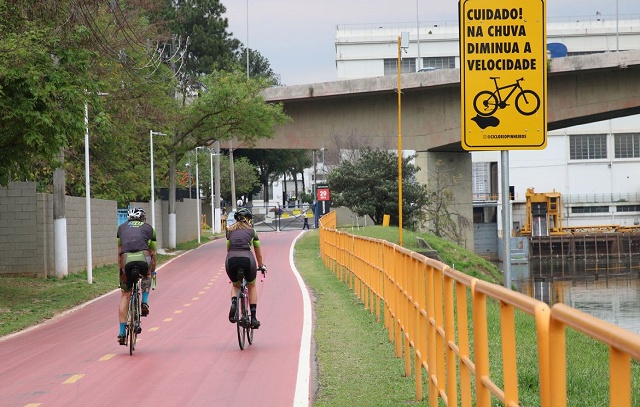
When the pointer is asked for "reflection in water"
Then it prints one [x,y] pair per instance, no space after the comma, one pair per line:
[610,292]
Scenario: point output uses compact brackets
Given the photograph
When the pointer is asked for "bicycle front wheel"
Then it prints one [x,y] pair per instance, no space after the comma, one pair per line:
[527,102]
[485,103]
[240,320]
[248,329]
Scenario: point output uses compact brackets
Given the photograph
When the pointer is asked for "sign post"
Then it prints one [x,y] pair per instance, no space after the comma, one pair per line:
[503,86]
[323,197]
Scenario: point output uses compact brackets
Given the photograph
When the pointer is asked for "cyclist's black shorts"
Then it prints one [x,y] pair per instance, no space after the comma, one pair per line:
[126,282]
[241,259]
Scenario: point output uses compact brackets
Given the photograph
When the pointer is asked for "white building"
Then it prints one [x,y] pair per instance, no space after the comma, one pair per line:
[596,167]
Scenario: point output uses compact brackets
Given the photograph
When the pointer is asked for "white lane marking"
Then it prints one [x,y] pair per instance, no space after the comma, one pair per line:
[301,397]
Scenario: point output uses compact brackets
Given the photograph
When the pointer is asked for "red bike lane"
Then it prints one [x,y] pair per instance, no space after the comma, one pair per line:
[187,353]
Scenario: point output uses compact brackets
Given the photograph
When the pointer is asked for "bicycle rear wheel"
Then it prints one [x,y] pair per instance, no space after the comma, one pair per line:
[248,329]
[485,103]
[240,319]
[134,320]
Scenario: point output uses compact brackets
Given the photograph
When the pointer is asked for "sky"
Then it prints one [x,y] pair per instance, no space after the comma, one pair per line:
[297,36]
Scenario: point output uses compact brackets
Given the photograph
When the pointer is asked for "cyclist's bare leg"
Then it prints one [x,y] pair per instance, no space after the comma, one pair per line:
[253,293]
[123,309]
[124,306]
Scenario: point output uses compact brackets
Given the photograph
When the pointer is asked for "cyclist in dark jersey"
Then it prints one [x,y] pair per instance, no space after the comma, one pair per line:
[136,248]
[241,237]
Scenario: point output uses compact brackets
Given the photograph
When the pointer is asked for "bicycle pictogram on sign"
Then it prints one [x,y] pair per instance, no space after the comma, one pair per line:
[487,102]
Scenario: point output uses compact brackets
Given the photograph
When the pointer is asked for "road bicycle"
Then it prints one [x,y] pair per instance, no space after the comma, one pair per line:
[133,315]
[486,102]
[242,317]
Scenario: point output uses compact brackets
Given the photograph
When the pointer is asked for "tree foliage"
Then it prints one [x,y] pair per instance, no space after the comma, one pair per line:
[246,175]
[57,55]
[369,186]
[272,164]
[43,72]
[210,46]
[258,66]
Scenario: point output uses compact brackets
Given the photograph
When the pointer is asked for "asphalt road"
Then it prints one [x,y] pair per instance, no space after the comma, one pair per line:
[187,354]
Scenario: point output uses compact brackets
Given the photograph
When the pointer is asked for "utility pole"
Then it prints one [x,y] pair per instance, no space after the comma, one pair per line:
[59,220]
[233,176]
[176,53]
[218,227]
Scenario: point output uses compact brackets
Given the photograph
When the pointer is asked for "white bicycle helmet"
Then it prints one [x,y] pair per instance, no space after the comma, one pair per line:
[136,214]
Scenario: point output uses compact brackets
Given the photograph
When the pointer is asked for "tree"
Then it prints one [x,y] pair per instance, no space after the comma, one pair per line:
[228,107]
[369,186]
[270,164]
[59,55]
[55,55]
[258,66]
[43,72]
[299,160]
[246,174]
[210,46]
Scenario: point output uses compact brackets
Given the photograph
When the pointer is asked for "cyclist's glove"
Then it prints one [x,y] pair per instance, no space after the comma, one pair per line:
[263,269]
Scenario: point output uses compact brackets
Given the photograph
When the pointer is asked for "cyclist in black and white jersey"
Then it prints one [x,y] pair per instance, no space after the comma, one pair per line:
[136,248]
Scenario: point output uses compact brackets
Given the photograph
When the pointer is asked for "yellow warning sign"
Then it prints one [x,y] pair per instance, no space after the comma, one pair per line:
[503,74]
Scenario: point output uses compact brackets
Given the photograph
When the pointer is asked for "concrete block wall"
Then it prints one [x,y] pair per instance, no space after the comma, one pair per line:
[18,225]
[187,221]
[104,224]
[27,244]
[44,231]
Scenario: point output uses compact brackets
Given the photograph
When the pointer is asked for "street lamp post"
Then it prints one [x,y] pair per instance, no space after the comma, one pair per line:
[213,206]
[198,196]
[218,226]
[188,165]
[403,43]
[214,202]
[232,172]
[418,37]
[247,39]
[87,186]
[617,30]
[153,190]
[88,193]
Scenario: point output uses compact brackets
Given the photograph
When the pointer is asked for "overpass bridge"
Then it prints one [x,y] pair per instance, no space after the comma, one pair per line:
[581,89]
[360,113]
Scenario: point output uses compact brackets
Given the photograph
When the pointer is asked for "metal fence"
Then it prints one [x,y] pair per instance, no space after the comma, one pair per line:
[437,318]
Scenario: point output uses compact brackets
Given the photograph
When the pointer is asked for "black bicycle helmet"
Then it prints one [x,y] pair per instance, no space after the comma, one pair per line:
[136,214]
[242,213]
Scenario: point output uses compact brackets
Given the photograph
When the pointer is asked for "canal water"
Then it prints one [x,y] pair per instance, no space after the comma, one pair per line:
[608,291]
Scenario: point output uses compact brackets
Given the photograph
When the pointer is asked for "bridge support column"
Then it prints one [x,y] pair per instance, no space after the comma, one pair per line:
[454,169]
